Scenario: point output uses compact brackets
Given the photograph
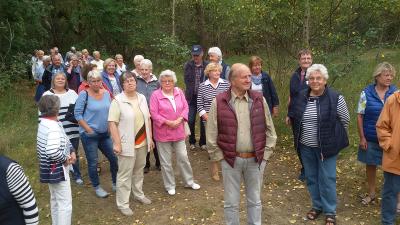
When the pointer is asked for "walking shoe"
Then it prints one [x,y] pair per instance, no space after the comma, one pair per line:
[193,186]
[127,212]
[171,192]
[79,181]
[144,200]
[100,192]
[204,147]
[158,168]
[192,147]
[114,187]
[146,170]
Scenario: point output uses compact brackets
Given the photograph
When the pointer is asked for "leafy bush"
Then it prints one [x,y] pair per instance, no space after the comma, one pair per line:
[169,52]
[13,69]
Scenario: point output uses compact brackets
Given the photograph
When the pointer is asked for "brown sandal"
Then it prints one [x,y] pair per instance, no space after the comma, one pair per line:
[313,214]
[330,220]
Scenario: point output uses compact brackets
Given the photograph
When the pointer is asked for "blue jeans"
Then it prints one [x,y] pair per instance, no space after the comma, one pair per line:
[103,142]
[75,166]
[321,179]
[252,174]
[391,187]
[192,123]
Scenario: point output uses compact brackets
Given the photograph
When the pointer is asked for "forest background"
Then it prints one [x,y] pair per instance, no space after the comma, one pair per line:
[349,36]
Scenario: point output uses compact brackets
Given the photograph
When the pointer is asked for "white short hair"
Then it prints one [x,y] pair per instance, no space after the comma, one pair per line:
[137,58]
[317,68]
[216,51]
[146,62]
[168,73]
[94,75]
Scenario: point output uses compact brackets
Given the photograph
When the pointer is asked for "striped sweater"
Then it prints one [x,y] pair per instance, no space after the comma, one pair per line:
[53,149]
[22,192]
[207,93]
[69,97]
[309,126]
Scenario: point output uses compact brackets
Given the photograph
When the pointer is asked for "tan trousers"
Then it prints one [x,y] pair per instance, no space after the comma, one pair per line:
[130,176]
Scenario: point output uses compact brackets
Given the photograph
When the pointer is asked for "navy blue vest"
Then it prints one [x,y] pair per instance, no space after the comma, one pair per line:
[10,212]
[223,73]
[332,136]
[373,109]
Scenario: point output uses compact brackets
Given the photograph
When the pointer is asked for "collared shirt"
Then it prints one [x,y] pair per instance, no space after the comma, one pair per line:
[207,93]
[244,140]
[197,71]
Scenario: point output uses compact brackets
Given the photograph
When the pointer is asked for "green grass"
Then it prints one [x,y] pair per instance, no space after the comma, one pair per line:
[18,114]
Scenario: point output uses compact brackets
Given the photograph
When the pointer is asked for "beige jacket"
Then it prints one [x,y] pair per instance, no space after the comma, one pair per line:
[388,129]
[126,125]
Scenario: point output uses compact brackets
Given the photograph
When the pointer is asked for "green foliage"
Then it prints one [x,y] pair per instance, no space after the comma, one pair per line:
[169,52]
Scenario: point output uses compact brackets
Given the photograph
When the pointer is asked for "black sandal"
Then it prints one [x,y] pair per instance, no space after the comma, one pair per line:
[330,220]
[313,214]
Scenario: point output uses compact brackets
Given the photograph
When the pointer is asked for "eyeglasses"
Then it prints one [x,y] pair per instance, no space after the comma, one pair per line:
[315,78]
[128,81]
[167,81]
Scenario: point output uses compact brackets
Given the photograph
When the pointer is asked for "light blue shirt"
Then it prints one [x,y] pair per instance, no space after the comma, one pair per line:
[96,113]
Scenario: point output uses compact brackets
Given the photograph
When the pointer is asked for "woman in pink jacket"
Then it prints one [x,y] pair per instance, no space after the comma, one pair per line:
[169,111]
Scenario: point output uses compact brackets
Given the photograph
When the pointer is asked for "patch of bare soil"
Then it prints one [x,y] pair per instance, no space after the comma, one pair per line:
[285,199]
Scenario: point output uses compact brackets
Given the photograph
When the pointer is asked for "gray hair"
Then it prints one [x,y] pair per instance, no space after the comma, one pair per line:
[49,105]
[168,73]
[53,80]
[46,58]
[93,75]
[137,58]
[146,62]
[317,68]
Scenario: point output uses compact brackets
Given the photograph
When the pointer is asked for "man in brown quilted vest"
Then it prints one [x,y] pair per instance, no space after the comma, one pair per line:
[240,133]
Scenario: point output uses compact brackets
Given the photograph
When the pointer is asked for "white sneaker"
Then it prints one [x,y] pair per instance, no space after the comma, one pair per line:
[204,147]
[193,186]
[171,192]
[192,147]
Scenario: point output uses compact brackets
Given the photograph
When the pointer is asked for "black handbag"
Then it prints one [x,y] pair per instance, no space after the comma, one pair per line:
[70,116]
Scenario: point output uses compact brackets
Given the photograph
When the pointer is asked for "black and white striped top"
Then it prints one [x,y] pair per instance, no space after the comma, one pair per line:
[309,125]
[22,192]
[207,93]
[69,97]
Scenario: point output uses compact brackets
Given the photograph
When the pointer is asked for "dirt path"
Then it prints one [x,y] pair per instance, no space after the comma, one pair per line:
[285,199]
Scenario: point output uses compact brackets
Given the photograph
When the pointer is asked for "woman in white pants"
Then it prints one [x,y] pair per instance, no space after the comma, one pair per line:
[130,127]
[55,154]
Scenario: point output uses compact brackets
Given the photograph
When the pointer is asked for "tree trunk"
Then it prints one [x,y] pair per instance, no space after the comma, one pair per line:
[173,17]
[306,28]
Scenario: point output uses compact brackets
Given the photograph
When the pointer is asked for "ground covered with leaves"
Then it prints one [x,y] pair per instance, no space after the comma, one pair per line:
[285,199]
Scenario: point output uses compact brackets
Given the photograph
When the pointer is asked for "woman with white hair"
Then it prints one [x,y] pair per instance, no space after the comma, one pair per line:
[320,120]
[169,111]
[215,56]
[147,83]
[121,67]
[136,62]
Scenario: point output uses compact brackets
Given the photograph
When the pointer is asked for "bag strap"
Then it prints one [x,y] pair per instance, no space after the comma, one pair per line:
[51,90]
[86,102]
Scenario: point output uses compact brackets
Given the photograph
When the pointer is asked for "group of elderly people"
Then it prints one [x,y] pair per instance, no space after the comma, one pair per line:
[127,114]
